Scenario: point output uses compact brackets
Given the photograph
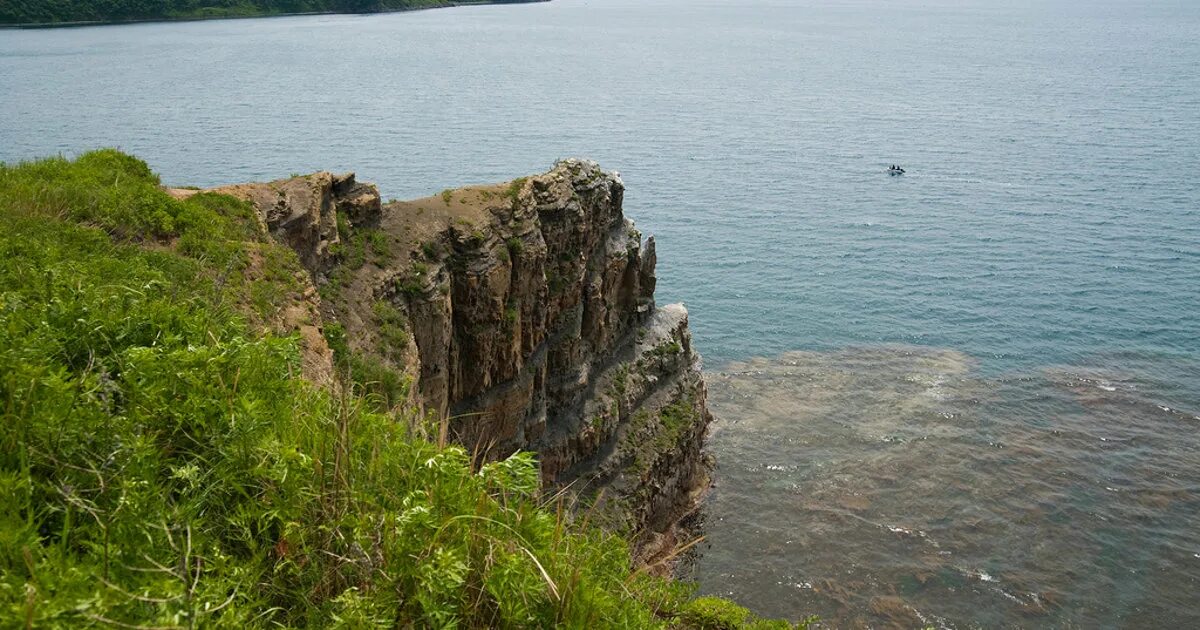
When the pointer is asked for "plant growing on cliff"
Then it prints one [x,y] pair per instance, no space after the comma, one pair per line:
[514,188]
[652,434]
[377,384]
[380,247]
[392,330]
[515,246]
[432,250]
[666,349]
[511,315]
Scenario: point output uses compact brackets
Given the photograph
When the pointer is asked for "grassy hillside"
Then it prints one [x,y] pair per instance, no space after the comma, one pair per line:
[163,464]
[59,11]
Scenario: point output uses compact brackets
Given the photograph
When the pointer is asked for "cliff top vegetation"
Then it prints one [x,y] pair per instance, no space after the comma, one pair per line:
[164,464]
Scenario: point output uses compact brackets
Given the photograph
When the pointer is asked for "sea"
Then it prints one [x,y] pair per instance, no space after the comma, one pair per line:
[963,397]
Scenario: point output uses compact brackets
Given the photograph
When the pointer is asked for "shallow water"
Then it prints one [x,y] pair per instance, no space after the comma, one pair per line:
[1047,232]
[897,486]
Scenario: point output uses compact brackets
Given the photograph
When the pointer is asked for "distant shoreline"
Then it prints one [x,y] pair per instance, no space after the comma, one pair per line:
[206,18]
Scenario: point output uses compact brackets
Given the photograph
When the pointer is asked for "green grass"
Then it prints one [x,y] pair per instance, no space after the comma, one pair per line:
[513,191]
[162,464]
[392,330]
[380,247]
[358,246]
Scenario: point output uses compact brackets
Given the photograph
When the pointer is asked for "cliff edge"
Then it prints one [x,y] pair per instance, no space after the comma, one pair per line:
[519,315]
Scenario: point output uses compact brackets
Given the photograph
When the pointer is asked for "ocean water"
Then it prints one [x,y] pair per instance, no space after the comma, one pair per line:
[900,486]
[966,397]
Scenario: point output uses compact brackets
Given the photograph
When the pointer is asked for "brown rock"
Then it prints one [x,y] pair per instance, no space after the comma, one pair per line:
[529,308]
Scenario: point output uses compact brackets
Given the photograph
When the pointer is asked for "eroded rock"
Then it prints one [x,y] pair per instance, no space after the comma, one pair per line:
[528,323]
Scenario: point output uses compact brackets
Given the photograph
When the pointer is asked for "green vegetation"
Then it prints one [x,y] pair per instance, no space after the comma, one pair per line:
[357,247]
[65,11]
[162,464]
[620,381]
[378,241]
[411,286]
[515,246]
[512,313]
[391,330]
[668,349]
[714,613]
[432,250]
[513,191]
[651,435]
[376,384]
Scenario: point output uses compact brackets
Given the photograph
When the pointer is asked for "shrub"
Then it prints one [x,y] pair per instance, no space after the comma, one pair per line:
[432,250]
[515,246]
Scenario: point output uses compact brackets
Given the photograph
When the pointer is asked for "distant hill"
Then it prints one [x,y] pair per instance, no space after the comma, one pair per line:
[51,12]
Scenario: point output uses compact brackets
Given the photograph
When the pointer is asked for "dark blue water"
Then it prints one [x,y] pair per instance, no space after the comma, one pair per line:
[1046,239]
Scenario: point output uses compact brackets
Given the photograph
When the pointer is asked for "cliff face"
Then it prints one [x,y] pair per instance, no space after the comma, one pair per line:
[523,314]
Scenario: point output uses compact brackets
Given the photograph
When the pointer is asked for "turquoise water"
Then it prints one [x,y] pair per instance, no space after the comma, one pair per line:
[1044,249]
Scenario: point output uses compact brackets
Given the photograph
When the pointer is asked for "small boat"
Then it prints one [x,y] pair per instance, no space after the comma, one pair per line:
[895,170]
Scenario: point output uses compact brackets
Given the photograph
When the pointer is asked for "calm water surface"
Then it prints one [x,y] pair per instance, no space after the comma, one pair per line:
[980,398]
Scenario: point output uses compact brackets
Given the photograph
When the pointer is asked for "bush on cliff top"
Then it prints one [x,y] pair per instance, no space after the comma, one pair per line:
[163,465]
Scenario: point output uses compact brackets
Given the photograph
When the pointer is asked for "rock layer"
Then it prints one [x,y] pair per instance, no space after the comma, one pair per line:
[526,320]
[303,212]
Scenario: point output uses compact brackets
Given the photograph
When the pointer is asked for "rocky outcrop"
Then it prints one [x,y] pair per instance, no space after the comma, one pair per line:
[303,212]
[524,316]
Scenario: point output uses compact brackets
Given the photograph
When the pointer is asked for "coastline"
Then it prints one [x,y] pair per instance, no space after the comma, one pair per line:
[206,18]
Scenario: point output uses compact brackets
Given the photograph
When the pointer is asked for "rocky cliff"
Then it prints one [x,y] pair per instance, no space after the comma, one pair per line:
[522,316]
